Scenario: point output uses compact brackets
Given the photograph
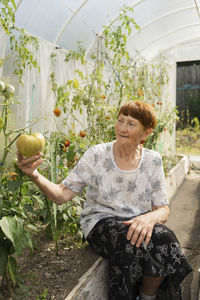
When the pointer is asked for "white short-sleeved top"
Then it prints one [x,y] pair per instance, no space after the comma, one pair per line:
[115,192]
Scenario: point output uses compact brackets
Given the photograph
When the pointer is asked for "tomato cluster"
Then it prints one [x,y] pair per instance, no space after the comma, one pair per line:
[7,90]
[12,176]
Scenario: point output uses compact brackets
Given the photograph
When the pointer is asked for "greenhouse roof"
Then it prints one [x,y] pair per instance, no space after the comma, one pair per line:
[163,24]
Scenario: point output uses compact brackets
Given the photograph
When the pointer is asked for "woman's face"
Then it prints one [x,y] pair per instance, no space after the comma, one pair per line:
[129,131]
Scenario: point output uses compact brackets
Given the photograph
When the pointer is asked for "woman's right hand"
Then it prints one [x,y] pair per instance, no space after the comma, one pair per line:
[29,165]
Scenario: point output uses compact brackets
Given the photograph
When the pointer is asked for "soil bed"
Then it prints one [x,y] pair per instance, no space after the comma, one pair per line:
[47,276]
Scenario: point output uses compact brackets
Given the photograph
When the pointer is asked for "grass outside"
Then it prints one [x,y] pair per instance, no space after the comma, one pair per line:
[188,151]
[188,141]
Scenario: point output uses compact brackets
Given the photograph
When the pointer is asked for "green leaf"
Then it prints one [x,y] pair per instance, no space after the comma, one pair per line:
[39,200]
[13,4]
[71,153]
[32,227]
[3,259]
[15,232]
[29,208]
[12,269]
[24,189]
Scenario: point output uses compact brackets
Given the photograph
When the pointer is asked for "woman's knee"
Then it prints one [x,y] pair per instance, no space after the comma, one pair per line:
[162,234]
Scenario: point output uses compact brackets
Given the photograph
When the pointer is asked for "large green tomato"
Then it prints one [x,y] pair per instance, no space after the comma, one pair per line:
[30,144]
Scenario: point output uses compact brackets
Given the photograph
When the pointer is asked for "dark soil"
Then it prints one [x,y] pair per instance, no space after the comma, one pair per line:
[48,276]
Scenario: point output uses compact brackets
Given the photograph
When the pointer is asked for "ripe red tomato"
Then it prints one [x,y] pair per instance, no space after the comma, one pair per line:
[12,175]
[82,134]
[30,144]
[67,143]
[57,111]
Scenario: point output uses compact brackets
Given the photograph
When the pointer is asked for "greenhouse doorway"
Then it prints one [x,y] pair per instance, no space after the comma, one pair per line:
[188,91]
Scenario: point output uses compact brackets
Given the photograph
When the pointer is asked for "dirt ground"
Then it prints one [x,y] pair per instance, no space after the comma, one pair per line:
[45,275]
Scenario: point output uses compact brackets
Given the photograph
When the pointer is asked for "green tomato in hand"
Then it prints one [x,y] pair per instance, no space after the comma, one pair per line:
[30,144]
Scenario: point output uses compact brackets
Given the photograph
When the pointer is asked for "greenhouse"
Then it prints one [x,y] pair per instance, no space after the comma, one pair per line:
[77,77]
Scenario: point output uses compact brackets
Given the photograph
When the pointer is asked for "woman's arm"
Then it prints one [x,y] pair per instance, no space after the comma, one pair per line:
[161,213]
[58,193]
[141,227]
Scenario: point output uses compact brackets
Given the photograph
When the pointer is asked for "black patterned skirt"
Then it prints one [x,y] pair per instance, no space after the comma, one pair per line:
[128,264]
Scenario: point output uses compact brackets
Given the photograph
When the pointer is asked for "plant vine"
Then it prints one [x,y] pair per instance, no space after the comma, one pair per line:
[24,47]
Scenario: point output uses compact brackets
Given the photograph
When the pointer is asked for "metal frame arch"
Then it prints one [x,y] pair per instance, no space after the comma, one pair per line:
[161,17]
[68,21]
[169,33]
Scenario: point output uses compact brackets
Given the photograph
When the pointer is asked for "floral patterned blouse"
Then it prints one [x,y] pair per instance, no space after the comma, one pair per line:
[115,192]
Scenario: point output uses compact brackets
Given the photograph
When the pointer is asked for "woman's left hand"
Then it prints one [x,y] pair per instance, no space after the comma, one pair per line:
[140,229]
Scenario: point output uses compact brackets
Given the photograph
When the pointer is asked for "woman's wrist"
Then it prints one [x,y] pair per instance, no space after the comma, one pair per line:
[34,176]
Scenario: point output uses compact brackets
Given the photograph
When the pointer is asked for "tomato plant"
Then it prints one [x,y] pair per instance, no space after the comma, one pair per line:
[130,78]
[16,214]
[16,197]
[22,45]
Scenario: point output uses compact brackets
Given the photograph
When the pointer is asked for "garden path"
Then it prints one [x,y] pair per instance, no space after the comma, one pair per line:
[184,220]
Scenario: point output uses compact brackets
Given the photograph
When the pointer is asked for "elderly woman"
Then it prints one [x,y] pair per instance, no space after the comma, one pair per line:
[125,208]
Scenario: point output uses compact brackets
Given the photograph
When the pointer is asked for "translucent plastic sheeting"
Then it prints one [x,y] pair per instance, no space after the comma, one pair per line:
[167,29]
[43,18]
[37,100]
[3,44]
[65,22]
[37,96]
